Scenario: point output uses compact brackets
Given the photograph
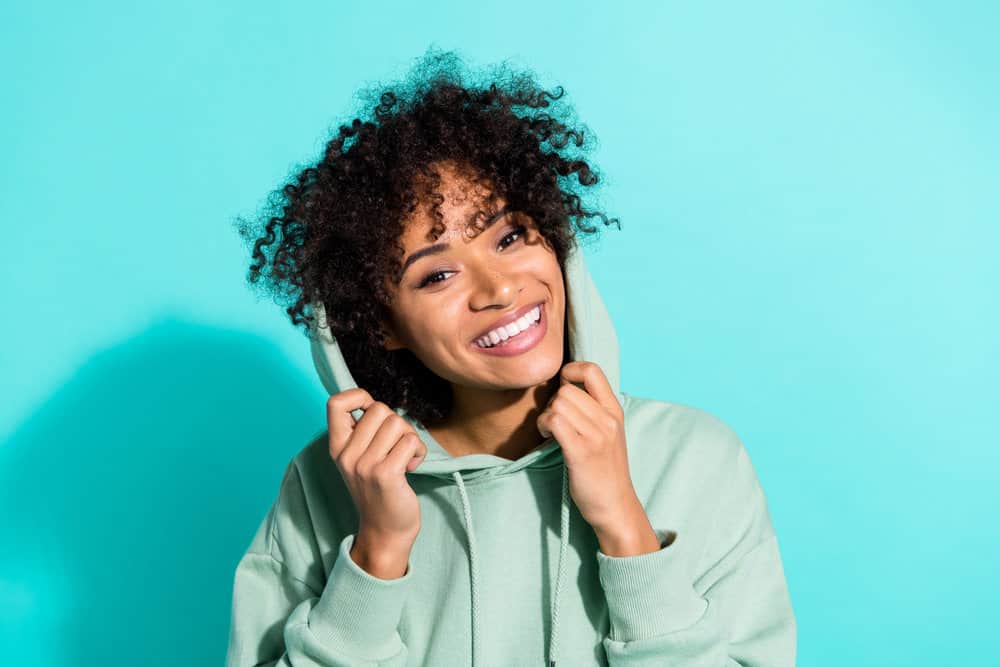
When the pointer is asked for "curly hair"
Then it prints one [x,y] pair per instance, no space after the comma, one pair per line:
[331,234]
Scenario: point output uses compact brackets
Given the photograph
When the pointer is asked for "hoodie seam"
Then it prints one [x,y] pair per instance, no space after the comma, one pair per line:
[285,570]
[769,537]
[756,497]
[272,539]
[278,504]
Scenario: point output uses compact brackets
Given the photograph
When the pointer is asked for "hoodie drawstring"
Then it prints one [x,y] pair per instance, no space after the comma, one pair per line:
[563,545]
[474,566]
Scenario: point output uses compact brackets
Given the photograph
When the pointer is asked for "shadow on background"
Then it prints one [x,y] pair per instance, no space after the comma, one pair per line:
[130,496]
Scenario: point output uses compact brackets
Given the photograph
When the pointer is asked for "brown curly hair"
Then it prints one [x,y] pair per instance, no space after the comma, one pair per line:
[332,233]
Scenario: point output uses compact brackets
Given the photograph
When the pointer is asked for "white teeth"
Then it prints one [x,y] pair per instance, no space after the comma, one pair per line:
[517,326]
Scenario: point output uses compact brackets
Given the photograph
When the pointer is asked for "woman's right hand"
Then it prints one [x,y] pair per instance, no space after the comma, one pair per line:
[373,455]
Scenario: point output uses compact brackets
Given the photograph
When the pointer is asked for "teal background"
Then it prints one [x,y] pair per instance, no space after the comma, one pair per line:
[809,250]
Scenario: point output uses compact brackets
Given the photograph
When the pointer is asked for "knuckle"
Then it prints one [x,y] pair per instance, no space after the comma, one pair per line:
[363,471]
[382,474]
[332,406]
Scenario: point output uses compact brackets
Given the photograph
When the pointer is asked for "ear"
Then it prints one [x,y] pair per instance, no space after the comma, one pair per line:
[392,341]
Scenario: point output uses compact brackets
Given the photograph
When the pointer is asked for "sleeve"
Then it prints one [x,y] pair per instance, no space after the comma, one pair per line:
[280,620]
[284,615]
[737,612]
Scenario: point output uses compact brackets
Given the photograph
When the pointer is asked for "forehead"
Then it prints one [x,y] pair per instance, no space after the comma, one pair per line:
[460,198]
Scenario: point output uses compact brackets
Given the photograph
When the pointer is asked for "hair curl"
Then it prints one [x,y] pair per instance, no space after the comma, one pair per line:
[332,233]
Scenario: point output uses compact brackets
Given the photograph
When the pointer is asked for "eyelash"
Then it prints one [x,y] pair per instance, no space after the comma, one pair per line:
[519,231]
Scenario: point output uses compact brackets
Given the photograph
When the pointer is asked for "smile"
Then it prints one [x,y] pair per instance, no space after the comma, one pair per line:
[516,337]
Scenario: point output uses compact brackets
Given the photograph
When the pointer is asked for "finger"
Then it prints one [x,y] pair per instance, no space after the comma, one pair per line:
[365,430]
[567,413]
[561,430]
[594,381]
[389,431]
[406,454]
[579,406]
[338,416]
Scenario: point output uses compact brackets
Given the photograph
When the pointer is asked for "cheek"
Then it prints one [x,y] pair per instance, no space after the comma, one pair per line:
[544,262]
[434,328]
[554,274]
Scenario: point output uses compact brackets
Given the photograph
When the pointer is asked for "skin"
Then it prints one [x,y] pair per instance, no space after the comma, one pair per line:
[479,279]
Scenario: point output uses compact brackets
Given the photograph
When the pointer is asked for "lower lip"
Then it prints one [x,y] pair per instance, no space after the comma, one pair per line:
[522,342]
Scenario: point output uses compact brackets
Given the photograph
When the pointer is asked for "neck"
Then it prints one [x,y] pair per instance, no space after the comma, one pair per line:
[501,423]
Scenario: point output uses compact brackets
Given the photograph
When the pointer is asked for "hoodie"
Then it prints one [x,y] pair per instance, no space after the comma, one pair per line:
[505,571]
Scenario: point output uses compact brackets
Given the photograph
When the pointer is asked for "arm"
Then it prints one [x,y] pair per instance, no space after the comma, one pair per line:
[284,614]
[736,611]
[280,620]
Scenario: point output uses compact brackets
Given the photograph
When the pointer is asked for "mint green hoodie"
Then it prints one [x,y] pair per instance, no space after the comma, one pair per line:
[505,571]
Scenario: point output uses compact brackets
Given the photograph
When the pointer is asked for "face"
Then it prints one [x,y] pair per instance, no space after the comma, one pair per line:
[453,299]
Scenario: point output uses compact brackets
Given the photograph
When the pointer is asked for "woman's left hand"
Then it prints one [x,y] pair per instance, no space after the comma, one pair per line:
[589,425]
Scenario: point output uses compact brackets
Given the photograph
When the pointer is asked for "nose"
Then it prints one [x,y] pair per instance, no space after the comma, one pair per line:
[493,288]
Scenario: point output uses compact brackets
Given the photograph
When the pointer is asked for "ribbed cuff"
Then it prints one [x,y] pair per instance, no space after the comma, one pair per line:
[648,595]
[359,610]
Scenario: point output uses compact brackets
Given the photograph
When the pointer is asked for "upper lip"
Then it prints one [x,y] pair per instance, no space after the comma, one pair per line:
[507,319]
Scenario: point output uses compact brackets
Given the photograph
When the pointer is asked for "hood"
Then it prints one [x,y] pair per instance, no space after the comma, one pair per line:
[591,337]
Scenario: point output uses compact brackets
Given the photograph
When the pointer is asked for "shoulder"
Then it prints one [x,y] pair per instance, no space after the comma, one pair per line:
[313,486]
[655,424]
[695,459]
[311,514]
[313,462]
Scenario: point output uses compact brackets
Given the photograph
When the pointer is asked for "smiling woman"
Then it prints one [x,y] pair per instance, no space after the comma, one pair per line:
[485,492]
[345,230]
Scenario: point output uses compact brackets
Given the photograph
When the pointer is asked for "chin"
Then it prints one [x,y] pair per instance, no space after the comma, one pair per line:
[531,371]
[535,371]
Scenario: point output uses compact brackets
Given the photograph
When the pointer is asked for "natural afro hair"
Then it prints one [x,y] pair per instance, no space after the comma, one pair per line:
[331,234]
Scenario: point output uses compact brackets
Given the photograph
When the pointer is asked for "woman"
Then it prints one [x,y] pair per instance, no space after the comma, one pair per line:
[485,493]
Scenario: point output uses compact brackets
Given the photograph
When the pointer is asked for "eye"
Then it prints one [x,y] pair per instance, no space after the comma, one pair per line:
[427,281]
[517,232]
[505,242]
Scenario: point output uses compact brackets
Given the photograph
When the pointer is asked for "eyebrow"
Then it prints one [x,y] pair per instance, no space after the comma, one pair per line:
[441,247]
